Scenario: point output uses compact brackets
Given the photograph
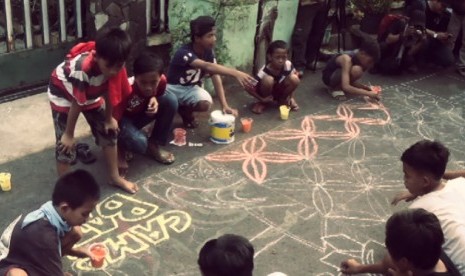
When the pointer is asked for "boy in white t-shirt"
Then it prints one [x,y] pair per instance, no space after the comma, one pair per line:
[424,165]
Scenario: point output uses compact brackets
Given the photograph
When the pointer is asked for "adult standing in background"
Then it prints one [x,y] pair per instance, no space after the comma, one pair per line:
[456,24]
[308,33]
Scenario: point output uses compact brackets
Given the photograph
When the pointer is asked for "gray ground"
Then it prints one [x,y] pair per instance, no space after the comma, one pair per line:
[308,192]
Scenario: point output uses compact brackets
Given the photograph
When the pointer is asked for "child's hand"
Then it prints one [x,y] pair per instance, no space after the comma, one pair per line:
[152,107]
[229,110]
[376,88]
[247,81]
[111,126]
[405,195]
[350,266]
[66,143]
[375,96]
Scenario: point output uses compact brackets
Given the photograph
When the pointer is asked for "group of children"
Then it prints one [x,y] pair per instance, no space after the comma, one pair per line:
[93,81]
[425,240]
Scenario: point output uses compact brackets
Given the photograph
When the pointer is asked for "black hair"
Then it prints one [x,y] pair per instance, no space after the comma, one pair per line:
[148,62]
[415,234]
[370,47]
[277,44]
[417,16]
[229,255]
[427,156]
[201,25]
[75,188]
[113,45]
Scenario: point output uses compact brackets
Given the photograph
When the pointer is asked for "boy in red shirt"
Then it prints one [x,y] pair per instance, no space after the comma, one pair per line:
[148,102]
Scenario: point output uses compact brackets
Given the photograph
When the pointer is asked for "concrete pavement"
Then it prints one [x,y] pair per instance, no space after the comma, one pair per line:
[308,192]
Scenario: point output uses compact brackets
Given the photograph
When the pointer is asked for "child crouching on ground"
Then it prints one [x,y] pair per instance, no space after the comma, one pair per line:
[42,237]
[343,71]
[148,102]
[277,80]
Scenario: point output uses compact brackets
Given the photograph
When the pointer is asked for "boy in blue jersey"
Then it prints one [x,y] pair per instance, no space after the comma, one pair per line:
[189,65]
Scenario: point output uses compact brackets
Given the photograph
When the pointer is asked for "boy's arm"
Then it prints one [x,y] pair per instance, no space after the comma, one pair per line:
[218,84]
[361,86]
[346,64]
[213,68]
[405,195]
[67,139]
[111,124]
[351,266]
[453,174]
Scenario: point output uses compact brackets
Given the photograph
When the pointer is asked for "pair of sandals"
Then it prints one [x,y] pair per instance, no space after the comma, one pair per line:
[84,154]
[259,107]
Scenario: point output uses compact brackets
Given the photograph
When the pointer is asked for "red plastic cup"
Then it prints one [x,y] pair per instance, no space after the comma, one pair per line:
[246,124]
[98,252]
[179,136]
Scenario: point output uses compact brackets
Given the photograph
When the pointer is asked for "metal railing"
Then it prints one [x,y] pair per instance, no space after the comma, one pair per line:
[28,24]
[35,27]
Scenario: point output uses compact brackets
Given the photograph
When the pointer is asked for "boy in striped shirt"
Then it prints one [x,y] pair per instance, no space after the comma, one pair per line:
[93,81]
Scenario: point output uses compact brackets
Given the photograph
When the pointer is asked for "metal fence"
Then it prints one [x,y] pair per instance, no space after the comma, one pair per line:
[28,24]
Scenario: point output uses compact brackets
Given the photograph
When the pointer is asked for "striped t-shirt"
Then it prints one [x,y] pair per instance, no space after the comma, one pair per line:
[77,78]
[286,71]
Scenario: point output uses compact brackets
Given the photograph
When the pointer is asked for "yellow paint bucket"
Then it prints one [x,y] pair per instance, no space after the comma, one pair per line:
[222,127]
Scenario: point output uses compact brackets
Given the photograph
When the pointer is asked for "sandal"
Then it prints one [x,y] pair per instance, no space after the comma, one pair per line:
[258,108]
[293,105]
[338,95]
[160,155]
[84,154]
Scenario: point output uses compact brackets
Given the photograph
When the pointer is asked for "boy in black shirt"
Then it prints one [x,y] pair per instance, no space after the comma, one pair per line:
[42,237]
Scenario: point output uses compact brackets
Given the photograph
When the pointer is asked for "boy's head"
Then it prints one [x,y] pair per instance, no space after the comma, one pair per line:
[368,53]
[229,255]
[437,6]
[75,196]
[148,68]
[413,239]
[203,31]
[424,164]
[276,53]
[112,47]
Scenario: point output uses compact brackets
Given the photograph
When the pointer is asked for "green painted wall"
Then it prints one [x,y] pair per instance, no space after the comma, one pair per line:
[236,40]
[287,12]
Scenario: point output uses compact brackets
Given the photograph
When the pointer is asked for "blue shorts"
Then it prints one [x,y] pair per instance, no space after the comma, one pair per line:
[189,95]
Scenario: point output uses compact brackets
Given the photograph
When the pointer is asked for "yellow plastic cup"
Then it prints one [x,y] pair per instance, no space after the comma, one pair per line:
[5,181]
[284,111]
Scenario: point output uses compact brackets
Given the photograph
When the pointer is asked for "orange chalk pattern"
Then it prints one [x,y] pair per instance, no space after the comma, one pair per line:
[255,158]
[253,150]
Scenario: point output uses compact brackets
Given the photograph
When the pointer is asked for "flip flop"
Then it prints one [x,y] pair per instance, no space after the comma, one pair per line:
[338,95]
[125,189]
[161,156]
[258,108]
[84,154]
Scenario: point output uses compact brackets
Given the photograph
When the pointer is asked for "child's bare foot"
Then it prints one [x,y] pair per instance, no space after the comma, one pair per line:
[124,185]
[293,105]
